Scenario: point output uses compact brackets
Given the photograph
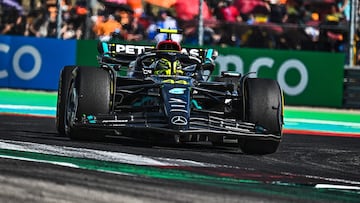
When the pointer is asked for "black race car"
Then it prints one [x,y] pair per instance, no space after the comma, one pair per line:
[168,91]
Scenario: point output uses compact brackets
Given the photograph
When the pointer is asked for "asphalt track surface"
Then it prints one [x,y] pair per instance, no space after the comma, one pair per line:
[39,165]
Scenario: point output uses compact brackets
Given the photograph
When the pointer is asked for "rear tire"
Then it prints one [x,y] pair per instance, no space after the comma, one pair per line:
[264,107]
[89,95]
[63,88]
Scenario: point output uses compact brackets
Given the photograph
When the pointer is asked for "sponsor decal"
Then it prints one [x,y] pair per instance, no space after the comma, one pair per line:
[179,120]
[177,91]
[138,49]
[130,49]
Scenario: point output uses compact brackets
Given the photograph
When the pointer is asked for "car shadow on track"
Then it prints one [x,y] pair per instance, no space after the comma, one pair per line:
[159,142]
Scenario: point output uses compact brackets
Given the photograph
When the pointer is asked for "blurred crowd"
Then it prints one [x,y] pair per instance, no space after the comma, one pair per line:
[321,25]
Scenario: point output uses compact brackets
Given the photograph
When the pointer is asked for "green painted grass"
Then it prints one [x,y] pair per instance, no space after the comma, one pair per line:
[28,97]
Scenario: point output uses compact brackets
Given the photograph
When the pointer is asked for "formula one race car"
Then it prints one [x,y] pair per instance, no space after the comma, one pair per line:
[168,91]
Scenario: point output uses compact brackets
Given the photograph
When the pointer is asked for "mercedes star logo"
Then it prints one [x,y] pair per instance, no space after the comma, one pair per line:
[179,120]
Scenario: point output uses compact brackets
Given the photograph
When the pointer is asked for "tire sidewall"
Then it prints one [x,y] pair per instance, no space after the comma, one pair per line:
[63,89]
[92,86]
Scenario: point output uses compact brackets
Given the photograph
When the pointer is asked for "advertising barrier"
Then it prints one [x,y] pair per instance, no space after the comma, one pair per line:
[34,63]
[86,52]
[307,78]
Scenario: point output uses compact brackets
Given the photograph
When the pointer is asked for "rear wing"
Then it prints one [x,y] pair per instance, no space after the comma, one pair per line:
[124,54]
[119,53]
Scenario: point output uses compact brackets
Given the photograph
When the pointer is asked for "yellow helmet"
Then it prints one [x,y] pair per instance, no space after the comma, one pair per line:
[166,67]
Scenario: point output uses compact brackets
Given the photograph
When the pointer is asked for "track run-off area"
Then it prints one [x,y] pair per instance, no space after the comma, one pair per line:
[318,161]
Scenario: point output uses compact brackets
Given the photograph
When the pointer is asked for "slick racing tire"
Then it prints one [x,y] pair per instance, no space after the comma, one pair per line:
[89,94]
[264,107]
[63,88]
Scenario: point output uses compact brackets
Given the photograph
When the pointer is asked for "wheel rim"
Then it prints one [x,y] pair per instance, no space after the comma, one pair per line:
[71,108]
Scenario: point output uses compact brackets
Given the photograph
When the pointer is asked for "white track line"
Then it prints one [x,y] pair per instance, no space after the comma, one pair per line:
[97,154]
[339,187]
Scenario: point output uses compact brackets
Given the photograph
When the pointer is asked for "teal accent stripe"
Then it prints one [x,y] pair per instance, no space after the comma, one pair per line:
[209,53]
[105,48]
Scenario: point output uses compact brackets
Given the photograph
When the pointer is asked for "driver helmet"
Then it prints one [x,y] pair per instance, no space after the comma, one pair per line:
[166,67]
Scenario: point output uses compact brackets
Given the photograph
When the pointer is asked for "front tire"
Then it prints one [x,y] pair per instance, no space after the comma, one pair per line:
[263,105]
[63,89]
[90,94]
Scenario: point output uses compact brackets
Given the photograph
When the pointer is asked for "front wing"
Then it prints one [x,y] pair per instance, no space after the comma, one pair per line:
[210,125]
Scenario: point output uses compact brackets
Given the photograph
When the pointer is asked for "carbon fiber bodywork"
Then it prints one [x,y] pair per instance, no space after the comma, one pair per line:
[209,126]
[193,108]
